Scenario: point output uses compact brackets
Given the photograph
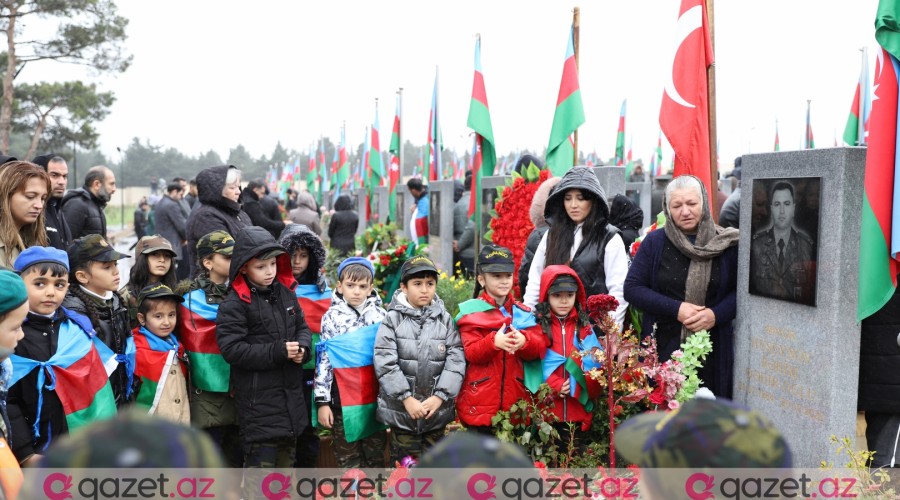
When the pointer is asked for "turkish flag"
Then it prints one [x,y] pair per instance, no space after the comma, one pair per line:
[684,114]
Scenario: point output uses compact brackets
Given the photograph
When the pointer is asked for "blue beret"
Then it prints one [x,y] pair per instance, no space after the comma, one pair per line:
[356,260]
[36,255]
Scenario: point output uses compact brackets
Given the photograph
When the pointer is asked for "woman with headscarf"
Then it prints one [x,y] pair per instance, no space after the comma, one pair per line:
[684,279]
[581,237]
[219,189]
[627,217]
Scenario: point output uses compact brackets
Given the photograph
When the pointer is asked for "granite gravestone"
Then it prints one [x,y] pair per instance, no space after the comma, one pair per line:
[382,204]
[440,224]
[799,364]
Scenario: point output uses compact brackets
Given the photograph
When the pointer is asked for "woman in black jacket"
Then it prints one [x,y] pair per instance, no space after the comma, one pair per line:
[342,228]
[219,189]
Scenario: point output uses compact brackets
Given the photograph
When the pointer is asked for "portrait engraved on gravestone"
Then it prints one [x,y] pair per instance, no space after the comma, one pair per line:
[434,213]
[784,244]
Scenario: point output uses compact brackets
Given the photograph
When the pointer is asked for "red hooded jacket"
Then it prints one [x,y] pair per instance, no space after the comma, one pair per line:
[494,378]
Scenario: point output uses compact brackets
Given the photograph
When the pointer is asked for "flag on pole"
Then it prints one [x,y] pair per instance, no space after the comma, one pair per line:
[629,165]
[858,121]
[658,170]
[879,238]
[376,173]
[435,143]
[809,142]
[620,136]
[568,117]
[777,143]
[311,170]
[394,175]
[484,158]
[323,174]
[684,114]
[343,175]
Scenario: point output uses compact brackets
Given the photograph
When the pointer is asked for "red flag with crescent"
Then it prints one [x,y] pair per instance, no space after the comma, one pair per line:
[684,114]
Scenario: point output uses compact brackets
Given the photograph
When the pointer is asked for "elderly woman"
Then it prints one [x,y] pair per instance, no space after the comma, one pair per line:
[684,279]
[581,237]
[24,188]
[219,191]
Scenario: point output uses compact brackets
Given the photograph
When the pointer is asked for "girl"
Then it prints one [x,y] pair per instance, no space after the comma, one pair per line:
[24,188]
[152,265]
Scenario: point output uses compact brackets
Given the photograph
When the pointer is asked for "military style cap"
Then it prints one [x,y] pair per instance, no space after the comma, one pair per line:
[150,244]
[215,242]
[703,433]
[157,291]
[495,259]
[563,283]
[92,247]
[417,264]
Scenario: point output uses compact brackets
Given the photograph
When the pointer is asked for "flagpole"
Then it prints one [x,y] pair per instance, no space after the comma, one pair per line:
[863,87]
[808,125]
[711,95]
[400,132]
[576,28]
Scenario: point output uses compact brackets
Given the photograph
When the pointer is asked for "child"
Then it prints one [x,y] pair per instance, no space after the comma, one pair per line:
[563,318]
[355,304]
[13,309]
[160,365]
[212,406]
[55,340]
[152,264]
[418,361]
[308,254]
[93,281]
[262,334]
[497,334]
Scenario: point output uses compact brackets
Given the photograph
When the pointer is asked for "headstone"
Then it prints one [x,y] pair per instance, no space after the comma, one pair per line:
[798,364]
[404,200]
[440,224]
[359,201]
[641,193]
[612,179]
[489,196]
[382,203]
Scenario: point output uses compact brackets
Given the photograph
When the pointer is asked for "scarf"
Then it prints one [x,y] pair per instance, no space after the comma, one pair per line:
[710,242]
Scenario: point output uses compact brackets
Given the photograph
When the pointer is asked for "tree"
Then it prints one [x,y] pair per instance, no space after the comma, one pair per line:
[89,33]
[65,111]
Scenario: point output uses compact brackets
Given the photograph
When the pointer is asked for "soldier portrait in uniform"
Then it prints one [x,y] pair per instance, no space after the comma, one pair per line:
[783,247]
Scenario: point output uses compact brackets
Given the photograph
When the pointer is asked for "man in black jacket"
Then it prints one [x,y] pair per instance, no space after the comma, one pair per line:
[171,224]
[251,197]
[57,228]
[83,207]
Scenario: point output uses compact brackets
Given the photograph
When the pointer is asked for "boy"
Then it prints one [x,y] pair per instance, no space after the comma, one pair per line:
[161,363]
[54,337]
[418,361]
[355,304]
[263,336]
[497,334]
[212,407]
[94,279]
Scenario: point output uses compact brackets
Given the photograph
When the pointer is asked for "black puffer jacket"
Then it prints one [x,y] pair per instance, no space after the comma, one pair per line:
[252,327]
[879,357]
[342,228]
[216,211]
[259,216]
[627,217]
[84,213]
[58,233]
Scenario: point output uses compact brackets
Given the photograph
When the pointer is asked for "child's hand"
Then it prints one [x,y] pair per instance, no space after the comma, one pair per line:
[414,408]
[500,341]
[293,349]
[326,417]
[564,390]
[431,406]
[517,341]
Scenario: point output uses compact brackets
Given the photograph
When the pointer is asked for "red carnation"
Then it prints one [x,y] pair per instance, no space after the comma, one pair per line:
[600,305]
[544,175]
[658,396]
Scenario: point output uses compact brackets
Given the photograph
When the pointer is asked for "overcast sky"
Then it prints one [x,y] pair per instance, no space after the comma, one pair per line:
[214,74]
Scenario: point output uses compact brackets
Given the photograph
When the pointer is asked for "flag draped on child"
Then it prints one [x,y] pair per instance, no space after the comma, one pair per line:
[684,114]
[394,175]
[569,115]
[197,322]
[78,372]
[485,157]
[313,303]
[354,373]
[154,357]
[879,232]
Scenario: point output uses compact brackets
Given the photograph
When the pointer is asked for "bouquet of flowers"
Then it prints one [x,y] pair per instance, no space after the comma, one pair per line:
[387,265]
[511,223]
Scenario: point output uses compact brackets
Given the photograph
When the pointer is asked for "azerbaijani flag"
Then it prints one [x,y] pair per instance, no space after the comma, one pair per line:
[197,322]
[620,137]
[311,171]
[376,173]
[343,173]
[394,175]
[351,359]
[777,142]
[79,373]
[434,137]
[629,165]
[323,171]
[568,117]
[879,239]
[314,303]
[154,357]
[858,121]
[809,142]
[484,158]
[658,170]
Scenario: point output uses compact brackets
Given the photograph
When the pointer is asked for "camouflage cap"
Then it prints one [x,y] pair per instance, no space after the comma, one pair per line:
[92,247]
[703,433]
[155,243]
[215,242]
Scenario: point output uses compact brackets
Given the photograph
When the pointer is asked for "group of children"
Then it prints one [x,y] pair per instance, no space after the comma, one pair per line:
[246,349]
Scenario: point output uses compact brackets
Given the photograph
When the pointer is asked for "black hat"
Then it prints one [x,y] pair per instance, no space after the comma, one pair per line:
[564,283]
[417,264]
[43,160]
[157,291]
[7,159]
[495,259]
